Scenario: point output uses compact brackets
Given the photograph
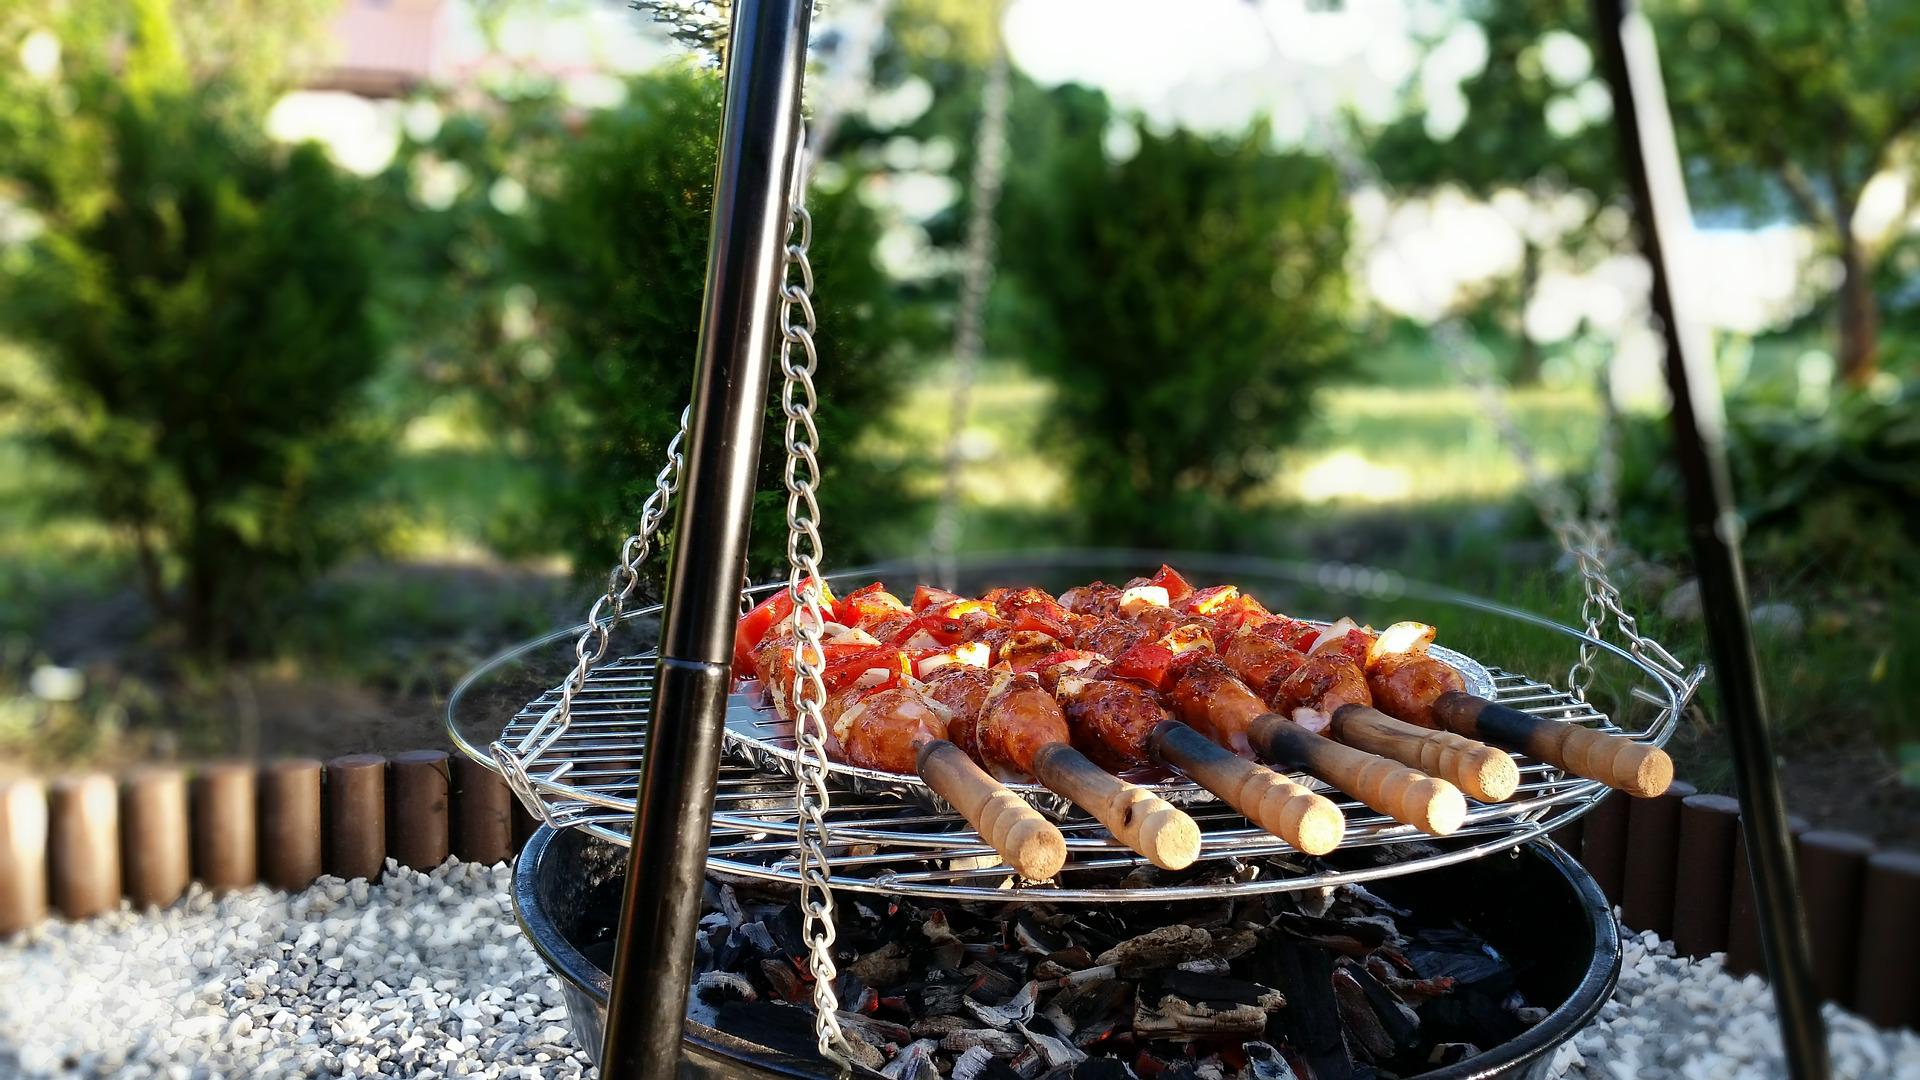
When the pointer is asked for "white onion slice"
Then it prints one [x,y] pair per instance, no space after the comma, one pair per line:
[1141,597]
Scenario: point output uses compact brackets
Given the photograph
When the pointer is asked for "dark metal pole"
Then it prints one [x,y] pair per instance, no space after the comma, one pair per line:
[1651,163]
[653,950]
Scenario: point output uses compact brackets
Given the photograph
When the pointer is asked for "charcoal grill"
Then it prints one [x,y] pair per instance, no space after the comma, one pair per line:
[587,777]
[629,751]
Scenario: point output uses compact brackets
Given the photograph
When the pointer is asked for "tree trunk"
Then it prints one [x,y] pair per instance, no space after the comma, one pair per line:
[1859,314]
[1526,365]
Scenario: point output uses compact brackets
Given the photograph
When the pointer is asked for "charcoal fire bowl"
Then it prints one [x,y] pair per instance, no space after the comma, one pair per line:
[1535,902]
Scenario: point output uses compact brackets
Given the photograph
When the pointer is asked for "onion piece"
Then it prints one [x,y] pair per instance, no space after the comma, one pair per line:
[1401,637]
[1141,597]
[1332,635]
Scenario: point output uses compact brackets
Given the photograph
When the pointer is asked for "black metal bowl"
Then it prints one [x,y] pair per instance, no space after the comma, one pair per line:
[1535,904]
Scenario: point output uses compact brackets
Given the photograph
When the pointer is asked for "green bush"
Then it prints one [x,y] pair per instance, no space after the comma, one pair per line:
[1830,499]
[619,264]
[198,301]
[1184,303]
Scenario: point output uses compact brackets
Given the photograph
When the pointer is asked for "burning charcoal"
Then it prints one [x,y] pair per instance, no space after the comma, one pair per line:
[758,938]
[915,1062]
[1160,948]
[1003,1044]
[1451,1053]
[716,987]
[879,1033]
[1208,966]
[730,907]
[1235,943]
[1003,1017]
[1311,1022]
[1036,938]
[1415,992]
[1344,937]
[1360,894]
[1093,1010]
[1028,1064]
[1400,1020]
[1063,963]
[786,1029]
[938,999]
[1102,1068]
[938,1027]
[886,966]
[1189,1006]
[1383,1027]
[980,1064]
[784,981]
[1053,1047]
[948,950]
[987,985]
[787,932]
[1265,1063]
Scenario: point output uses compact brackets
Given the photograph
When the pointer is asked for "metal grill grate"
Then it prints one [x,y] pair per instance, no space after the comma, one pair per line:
[888,843]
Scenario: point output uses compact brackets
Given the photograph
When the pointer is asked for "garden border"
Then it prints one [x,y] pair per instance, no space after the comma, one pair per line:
[77,845]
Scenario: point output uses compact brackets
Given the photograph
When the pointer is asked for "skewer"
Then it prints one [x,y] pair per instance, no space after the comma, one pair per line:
[1419,688]
[1126,723]
[1618,762]
[1488,774]
[1304,818]
[1024,837]
[1009,722]
[1209,696]
[898,729]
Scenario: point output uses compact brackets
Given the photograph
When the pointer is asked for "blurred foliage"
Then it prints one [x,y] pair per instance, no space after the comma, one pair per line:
[1828,495]
[1184,301]
[198,300]
[617,263]
[1789,109]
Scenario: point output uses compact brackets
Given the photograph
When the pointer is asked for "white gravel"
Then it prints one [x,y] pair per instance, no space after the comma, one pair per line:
[421,974]
[427,974]
[1685,1019]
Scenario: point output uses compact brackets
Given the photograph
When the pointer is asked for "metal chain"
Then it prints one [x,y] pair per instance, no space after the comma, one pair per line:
[811,798]
[591,646]
[989,170]
[1588,541]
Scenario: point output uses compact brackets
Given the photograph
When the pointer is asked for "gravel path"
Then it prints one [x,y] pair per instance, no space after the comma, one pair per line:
[426,974]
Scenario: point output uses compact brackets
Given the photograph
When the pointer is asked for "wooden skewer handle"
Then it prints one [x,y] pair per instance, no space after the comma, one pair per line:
[1302,817]
[1405,795]
[1618,762]
[1486,773]
[1028,841]
[1137,817]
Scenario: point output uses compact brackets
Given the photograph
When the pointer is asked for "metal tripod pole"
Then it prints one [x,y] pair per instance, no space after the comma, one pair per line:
[1651,161]
[653,954]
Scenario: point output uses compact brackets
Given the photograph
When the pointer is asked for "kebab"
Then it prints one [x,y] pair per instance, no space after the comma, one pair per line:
[1422,689]
[1293,666]
[1206,693]
[877,720]
[1006,721]
[1120,723]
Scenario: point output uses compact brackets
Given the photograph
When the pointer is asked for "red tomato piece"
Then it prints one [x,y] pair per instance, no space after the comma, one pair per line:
[1147,662]
[864,607]
[1209,600]
[754,625]
[1169,579]
[848,663]
[926,596]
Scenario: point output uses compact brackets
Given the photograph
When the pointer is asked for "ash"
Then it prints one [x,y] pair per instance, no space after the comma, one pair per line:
[1335,986]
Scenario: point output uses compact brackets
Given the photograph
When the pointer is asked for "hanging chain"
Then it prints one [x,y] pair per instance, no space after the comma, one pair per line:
[989,169]
[623,581]
[811,799]
[1587,541]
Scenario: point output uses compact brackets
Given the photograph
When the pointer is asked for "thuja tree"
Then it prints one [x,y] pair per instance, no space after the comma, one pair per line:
[619,263]
[198,304]
[1184,301]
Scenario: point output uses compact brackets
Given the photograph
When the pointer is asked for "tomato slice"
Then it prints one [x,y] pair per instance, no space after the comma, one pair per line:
[1169,579]
[847,664]
[926,596]
[864,607]
[753,626]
